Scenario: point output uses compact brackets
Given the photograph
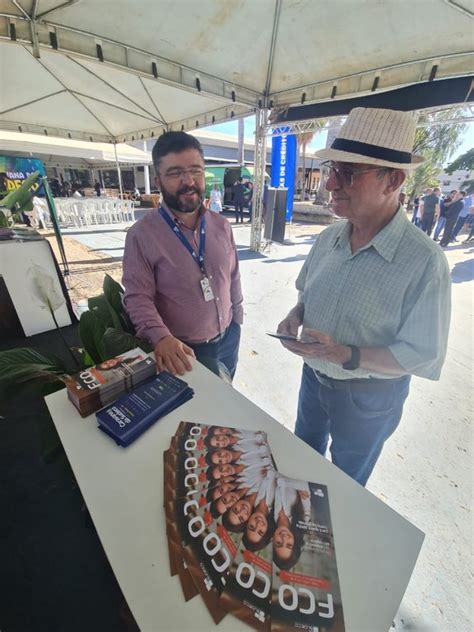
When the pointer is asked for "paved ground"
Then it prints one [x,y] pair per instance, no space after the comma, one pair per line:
[425,472]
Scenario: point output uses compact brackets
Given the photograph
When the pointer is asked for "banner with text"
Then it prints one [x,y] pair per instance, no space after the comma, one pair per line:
[283,167]
[13,170]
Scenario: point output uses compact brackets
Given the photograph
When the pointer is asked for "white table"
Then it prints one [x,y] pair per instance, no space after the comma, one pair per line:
[376,548]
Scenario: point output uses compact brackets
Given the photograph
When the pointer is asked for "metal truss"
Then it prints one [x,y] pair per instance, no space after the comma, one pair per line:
[261,117]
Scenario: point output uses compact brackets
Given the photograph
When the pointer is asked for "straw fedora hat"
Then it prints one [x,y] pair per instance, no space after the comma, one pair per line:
[376,137]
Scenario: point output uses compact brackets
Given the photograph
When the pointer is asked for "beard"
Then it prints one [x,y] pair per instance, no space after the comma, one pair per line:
[175,202]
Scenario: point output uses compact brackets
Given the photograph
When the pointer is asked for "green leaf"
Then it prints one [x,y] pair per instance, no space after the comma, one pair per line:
[114,294]
[117,342]
[101,308]
[91,331]
[22,365]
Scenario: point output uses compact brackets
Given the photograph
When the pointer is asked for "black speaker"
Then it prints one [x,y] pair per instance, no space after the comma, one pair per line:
[275,215]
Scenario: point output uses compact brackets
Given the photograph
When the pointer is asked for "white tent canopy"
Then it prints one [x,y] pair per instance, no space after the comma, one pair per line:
[16,143]
[118,70]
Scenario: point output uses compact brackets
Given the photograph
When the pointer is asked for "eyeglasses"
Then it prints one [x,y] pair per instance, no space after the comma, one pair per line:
[180,174]
[344,177]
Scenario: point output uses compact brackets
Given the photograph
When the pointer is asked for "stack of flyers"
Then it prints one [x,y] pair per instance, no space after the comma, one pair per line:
[249,540]
[93,388]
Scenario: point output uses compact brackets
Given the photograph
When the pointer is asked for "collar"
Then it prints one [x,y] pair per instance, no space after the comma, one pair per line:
[385,241]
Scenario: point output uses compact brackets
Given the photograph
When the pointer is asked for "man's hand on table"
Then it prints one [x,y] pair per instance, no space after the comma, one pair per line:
[173,356]
[323,347]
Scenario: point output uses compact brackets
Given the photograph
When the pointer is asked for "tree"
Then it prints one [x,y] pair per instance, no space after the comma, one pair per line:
[302,141]
[462,162]
[437,137]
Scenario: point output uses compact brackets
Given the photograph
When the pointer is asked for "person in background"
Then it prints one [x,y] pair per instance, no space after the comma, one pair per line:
[430,210]
[374,295]
[462,217]
[416,206]
[239,200]
[442,214]
[470,218]
[453,209]
[215,199]
[181,269]
[97,188]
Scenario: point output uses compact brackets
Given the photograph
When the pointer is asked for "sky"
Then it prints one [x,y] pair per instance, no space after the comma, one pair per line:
[319,140]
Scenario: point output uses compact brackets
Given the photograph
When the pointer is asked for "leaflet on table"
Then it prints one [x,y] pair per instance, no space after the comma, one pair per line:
[208,539]
[305,585]
[206,466]
[133,413]
[177,563]
[204,492]
[247,592]
[99,385]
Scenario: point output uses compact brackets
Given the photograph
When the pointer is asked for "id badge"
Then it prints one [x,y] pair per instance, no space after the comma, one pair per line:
[206,289]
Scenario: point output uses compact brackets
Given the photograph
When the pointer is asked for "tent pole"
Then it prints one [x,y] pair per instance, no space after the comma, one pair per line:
[260,160]
[54,220]
[119,173]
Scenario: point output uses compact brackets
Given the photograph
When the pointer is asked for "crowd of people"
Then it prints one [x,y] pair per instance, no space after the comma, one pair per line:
[447,214]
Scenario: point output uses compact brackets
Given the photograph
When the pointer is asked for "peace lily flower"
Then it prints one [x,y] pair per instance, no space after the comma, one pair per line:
[44,292]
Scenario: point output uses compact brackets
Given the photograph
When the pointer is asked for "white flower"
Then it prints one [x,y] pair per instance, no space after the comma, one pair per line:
[43,288]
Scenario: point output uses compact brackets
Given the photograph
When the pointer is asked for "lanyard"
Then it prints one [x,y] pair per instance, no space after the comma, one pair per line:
[198,258]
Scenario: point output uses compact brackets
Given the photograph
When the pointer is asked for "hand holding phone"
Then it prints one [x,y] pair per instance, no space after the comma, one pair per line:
[290,338]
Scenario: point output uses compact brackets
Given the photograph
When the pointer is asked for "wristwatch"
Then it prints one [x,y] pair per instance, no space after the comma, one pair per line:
[354,362]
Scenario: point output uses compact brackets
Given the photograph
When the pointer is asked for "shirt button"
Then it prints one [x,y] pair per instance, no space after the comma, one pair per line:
[217,298]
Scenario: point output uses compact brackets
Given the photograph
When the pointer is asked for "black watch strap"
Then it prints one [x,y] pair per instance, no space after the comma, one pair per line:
[354,362]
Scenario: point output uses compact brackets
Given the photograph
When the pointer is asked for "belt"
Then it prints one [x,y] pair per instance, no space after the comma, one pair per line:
[359,384]
[211,341]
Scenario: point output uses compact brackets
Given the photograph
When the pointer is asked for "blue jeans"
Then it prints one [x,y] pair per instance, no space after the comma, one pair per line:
[223,352]
[358,414]
[439,227]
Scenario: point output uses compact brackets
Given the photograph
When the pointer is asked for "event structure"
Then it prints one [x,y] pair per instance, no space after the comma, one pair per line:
[116,72]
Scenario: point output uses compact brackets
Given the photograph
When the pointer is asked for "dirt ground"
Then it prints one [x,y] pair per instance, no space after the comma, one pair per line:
[87,268]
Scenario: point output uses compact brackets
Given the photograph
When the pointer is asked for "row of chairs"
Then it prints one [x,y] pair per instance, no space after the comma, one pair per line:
[89,211]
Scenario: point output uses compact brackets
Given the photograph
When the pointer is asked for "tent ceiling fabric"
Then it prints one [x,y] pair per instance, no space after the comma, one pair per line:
[122,71]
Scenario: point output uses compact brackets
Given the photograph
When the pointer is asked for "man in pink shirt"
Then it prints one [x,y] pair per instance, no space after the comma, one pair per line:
[180,267]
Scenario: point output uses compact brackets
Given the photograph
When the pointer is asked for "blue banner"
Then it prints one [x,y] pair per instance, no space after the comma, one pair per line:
[13,170]
[284,166]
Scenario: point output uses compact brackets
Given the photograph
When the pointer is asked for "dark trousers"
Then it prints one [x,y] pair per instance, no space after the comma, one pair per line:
[427,223]
[448,230]
[358,415]
[458,225]
[221,356]
[239,212]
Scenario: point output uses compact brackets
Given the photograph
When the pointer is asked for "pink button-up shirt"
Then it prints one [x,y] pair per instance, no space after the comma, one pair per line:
[163,294]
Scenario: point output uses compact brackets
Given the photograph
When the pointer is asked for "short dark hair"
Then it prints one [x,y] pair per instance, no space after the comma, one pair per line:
[174,142]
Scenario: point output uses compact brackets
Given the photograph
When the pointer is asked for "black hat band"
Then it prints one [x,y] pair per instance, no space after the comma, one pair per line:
[372,151]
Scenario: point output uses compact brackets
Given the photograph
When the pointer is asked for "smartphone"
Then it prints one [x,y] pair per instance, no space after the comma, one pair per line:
[291,338]
[282,336]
